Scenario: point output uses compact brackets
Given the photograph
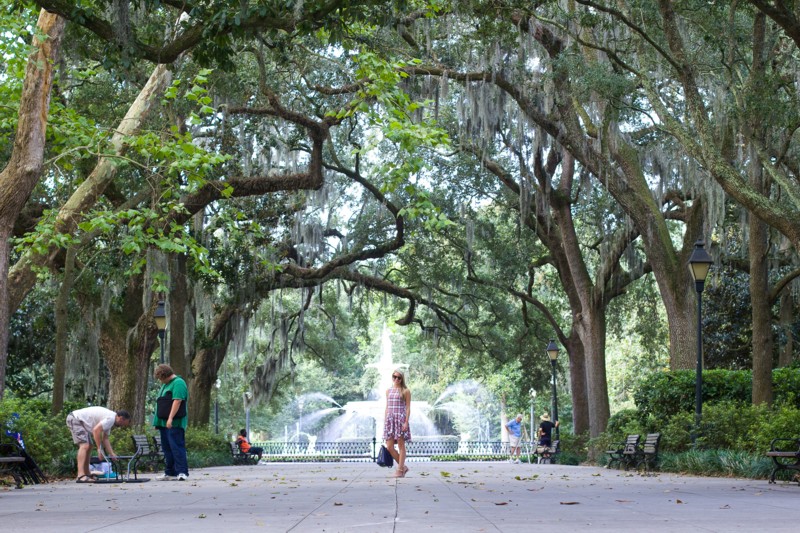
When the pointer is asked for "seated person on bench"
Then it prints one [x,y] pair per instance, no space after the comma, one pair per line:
[245,447]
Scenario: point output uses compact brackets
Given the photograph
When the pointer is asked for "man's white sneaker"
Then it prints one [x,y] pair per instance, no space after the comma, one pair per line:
[182,477]
[165,477]
[516,461]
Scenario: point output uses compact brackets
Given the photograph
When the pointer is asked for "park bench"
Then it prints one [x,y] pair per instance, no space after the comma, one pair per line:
[241,458]
[16,462]
[149,455]
[11,463]
[785,454]
[624,453]
[546,454]
[647,453]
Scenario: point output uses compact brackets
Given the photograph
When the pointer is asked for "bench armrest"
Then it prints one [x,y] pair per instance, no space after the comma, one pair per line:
[784,445]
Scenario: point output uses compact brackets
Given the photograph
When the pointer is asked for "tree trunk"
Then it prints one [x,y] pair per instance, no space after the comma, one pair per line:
[577,379]
[589,309]
[206,369]
[24,168]
[762,316]
[62,332]
[206,365]
[593,334]
[682,323]
[128,340]
[180,355]
[787,319]
[760,301]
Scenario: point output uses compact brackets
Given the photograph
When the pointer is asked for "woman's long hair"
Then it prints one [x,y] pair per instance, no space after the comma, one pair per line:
[403,386]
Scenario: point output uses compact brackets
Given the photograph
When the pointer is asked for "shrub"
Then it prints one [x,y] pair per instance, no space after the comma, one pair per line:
[664,394]
[46,436]
[676,433]
[573,449]
[782,422]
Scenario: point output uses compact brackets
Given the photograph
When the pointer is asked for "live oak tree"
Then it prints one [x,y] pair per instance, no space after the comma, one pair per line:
[23,170]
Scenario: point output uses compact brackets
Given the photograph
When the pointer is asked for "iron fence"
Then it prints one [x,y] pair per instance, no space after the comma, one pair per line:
[366,450]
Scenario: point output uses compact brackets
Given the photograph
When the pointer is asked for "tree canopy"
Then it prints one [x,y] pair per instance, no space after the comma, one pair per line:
[490,174]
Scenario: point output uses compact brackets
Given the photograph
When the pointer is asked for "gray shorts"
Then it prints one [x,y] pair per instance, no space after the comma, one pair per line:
[80,435]
[513,442]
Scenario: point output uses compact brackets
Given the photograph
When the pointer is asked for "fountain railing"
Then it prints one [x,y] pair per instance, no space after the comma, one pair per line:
[366,449]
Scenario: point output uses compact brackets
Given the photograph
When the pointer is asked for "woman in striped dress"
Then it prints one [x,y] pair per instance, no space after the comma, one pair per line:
[395,426]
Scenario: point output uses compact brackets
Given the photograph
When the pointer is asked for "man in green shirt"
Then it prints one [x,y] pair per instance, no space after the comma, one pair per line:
[170,420]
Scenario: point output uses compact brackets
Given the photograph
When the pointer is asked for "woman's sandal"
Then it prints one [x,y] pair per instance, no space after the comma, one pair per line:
[85,479]
[405,470]
[399,473]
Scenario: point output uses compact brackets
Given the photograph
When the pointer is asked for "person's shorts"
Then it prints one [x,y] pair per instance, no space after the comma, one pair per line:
[79,433]
[513,441]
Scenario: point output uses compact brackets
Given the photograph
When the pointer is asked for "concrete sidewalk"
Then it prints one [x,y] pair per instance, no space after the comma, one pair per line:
[447,497]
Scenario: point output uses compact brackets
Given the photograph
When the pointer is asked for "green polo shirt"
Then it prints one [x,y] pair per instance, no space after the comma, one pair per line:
[179,392]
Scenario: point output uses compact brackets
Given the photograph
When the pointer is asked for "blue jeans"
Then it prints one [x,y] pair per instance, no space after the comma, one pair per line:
[173,443]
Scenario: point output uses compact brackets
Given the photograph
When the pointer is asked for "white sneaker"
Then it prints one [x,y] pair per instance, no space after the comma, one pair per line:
[182,477]
[165,477]
[516,461]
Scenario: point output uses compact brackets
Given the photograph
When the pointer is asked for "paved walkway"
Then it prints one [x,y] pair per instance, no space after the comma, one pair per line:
[441,497]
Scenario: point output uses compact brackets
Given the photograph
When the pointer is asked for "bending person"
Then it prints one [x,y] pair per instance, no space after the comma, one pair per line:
[95,422]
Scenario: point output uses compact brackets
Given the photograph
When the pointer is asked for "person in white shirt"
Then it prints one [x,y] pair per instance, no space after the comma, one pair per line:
[96,422]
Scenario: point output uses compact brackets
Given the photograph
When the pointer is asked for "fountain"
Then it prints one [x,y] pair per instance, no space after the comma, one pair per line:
[365,418]
[463,403]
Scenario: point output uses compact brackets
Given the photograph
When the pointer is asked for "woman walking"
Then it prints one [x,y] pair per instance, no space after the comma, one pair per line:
[395,426]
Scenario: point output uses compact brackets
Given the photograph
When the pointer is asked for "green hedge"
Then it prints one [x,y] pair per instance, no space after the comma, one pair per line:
[665,394]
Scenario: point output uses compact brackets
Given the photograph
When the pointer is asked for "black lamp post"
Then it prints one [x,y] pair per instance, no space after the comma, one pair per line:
[160,317]
[699,263]
[552,353]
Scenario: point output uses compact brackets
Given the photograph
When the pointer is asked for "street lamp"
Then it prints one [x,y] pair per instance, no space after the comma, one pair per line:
[699,264]
[160,317]
[247,395]
[532,392]
[552,353]
[217,385]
